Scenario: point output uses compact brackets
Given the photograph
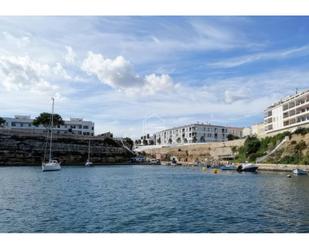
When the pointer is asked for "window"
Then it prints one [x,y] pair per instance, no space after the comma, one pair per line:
[13,124]
[85,127]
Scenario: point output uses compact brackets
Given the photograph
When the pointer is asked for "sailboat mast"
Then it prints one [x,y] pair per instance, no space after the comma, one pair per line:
[51,130]
[89,150]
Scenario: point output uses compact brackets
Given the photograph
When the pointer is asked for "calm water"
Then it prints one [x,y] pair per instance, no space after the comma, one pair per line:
[150,199]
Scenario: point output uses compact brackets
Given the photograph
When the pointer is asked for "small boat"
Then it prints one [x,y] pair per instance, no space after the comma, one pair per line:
[51,165]
[228,167]
[88,162]
[299,172]
[247,167]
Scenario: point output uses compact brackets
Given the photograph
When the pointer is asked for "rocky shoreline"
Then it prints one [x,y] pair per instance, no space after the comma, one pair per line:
[17,149]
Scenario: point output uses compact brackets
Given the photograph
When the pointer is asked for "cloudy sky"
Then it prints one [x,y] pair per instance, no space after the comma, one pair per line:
[132,75]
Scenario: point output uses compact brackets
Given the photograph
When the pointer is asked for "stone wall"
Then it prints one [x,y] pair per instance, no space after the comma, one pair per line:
[193,152]
[281,167]
[28,149]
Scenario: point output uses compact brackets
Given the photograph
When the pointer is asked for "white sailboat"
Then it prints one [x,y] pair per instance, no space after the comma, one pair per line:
[88,162]
[51,165]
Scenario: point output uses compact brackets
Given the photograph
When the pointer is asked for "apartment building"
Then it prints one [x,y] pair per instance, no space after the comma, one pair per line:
[76,126]
[192,133]
[287,114]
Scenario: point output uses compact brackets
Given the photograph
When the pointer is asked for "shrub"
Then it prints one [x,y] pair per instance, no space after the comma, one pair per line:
[289,160]
[252,145]
[302,131]
[231,137]
[300,146]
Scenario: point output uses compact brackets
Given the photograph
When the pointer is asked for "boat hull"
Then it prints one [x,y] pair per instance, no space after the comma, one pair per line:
[247,168]
[228,168]
[51,167]
[250,169]
[299,172]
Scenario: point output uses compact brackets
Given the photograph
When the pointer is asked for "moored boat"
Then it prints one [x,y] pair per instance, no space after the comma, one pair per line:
[299,172]
[247,167]
[52,164]
[88,162]
[228,167]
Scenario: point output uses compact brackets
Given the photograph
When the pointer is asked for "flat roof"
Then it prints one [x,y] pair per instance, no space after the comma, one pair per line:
[288,98]
[196,124]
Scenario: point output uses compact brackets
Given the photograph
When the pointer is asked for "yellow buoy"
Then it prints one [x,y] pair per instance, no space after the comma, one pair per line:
[216,171]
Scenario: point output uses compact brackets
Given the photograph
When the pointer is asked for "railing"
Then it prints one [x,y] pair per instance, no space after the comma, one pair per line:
[262,158]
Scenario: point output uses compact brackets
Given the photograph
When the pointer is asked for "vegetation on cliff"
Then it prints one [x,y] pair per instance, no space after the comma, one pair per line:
[294,152]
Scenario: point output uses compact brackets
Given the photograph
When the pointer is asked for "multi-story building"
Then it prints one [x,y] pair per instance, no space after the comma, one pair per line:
[193,133]
[73,126]
[287,114]
[235,131]
[258,130]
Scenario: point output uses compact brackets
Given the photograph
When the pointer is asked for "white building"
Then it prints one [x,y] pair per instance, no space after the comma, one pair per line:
[193,133]
[235,131]
[73,126]
[287,114]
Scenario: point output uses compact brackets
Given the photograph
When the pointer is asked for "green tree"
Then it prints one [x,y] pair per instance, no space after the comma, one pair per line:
[45,120]
[252,145]
[231,137]
[2,122]
[159,140]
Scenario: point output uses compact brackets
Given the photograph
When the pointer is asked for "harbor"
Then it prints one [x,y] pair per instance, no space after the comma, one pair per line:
[138,198]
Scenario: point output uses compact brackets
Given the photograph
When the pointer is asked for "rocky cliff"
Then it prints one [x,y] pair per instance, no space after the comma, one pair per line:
[28,149]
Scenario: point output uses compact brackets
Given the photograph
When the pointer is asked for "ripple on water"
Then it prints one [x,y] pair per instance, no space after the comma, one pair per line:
[150,199]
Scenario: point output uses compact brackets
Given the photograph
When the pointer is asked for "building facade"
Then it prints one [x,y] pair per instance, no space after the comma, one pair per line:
[287,114]
[235,131]
[258,130]
[193,133]
[76,126]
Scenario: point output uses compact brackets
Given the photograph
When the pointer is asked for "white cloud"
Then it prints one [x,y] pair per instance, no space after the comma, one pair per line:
[119,74]
[20,42]
[21,73]
[70,55]
[275,55]
[231,96]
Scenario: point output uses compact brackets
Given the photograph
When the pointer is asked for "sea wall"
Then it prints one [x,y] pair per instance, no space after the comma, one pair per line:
[195,152]
[281,167]
[18,148]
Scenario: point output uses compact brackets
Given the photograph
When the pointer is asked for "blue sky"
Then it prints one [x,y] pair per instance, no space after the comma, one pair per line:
[136,75]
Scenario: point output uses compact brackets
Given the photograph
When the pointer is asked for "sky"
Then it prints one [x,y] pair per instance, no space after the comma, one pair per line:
[138,75]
